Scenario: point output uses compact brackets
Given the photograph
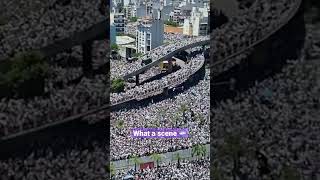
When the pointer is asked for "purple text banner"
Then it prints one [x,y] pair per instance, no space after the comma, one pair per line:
[159,133]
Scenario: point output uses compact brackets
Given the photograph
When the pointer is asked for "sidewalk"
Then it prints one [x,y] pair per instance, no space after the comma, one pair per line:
[168,157]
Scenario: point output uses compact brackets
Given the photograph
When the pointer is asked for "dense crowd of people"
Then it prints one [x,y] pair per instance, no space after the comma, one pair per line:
[188,109]
[152,72]
[267,109]
[20,114]
[87,89]
[250,26]
[156,87]
[46,23]
[83,96]
[155,54]
[17,115]
[279,110]
[67,66]
[172,37]
[280,117]
[74,163]
[187,169]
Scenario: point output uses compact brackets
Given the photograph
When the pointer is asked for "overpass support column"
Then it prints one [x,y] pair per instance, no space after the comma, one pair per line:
[166,91]
[137,79]
[203,48]
[87,58]
[170,65]
[191,79]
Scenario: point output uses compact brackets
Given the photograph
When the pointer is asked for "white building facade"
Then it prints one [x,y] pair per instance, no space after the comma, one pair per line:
[197,24]
[149,35]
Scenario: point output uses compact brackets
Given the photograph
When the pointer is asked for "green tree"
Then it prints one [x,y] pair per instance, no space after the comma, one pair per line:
[234,148]
[155,123]
[120,124]
[25,76]
[171,23]
[177,157]
[203,150]
[183,109]
[157,158]
[111,169]
[117,85]
[114,47]
[136,160]
[196,150]
[216,173]
[289,173]
[200,119]
[133,19]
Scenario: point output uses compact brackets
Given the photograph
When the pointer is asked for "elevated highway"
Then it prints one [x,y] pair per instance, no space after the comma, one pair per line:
[222,56]
[164,84]
[48,45]
[176,48]
[95,32]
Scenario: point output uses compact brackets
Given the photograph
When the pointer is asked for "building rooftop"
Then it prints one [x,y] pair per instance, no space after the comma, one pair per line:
[124,40]
[119,14]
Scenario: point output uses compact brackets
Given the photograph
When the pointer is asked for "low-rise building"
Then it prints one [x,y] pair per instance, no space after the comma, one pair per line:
[126,46]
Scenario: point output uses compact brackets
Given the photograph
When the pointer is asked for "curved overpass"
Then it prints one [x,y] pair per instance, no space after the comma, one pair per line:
[255,39]
[189,70]
[202,41]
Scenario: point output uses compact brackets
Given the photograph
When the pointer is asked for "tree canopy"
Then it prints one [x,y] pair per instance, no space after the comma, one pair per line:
[117,85]
[133,19]
[114,47]
[171,23]
[24,75]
